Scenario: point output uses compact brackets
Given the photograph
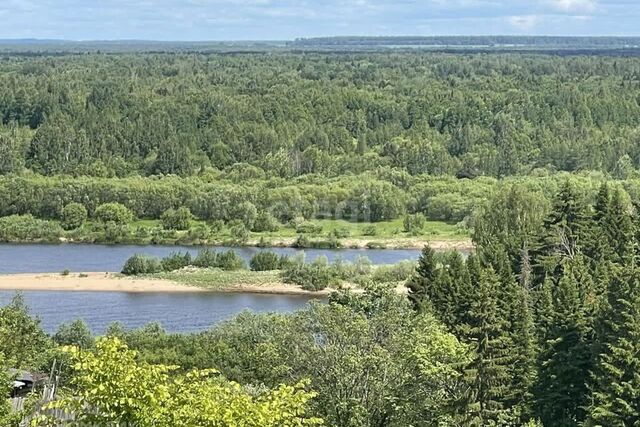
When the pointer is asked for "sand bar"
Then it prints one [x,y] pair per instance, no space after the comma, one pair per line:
[113,282]
[88,282]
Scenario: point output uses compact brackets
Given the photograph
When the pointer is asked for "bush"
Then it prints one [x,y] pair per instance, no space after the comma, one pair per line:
[308,227]
[265,261]
[113,212]
[176,261]
[449,207]
[393,273]
[141,264]
[177,219]
[340,233]
[206,258]
[415,223]
[25,227]
[228,260]
[369,230]
[266,222]
[239,232]
[246,212]
[73,216]
[310,277]
[216,226]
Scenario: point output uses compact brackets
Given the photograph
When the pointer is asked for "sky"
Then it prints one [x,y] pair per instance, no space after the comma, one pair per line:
[289,19]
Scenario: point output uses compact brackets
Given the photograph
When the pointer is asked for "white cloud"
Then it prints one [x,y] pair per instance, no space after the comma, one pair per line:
[583,6]
[524,22]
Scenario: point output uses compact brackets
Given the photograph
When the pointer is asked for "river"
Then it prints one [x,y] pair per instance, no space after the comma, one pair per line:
[39,258]
[176,312]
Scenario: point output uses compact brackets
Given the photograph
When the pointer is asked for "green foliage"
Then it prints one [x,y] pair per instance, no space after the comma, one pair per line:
[113,212]
[25,228]
[265,222]
[265,261]
[176,261]
[22,340]
[73,216]
[141,264]
[414,224]
[177,219]
[314,276]
[307,227]
[76,333]
[110,387]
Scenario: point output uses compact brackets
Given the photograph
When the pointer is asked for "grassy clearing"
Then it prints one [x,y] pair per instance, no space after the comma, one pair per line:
[218,279]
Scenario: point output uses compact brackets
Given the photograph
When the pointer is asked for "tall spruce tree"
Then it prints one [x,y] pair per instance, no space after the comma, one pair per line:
[489,371]
[564,363]
[616,379]
[421,285]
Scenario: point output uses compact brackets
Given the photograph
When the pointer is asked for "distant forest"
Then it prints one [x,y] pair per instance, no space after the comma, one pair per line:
[385,133]
[529,41]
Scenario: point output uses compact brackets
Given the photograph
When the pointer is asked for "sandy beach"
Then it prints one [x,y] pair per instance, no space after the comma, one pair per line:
[88,282]
[112,282]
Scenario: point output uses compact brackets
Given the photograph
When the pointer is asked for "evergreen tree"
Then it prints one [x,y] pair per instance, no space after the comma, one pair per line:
[616,379]
[561,389]
[421,286]
[567,226]
[619,228]
[489,371]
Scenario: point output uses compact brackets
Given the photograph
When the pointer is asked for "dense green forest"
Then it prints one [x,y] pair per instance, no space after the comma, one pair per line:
[289,136]
[291,115]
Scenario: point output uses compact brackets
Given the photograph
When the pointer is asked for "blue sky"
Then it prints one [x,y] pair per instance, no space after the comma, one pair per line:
[288,19]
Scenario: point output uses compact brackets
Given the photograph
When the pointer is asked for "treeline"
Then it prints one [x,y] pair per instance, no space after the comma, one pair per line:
[289,115]
[551,306]
[241,193]
[473,41]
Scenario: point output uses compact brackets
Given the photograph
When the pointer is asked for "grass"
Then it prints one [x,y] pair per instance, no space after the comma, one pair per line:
[383,230]
[219,279]
[387,234]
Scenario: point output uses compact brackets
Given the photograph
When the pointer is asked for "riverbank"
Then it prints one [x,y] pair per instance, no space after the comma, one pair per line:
[113,282]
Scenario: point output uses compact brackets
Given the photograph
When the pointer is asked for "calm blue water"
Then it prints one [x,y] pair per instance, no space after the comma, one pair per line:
[37,258]
[175,312]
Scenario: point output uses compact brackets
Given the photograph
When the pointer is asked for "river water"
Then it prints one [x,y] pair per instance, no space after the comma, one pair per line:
[37,258]
[176,312]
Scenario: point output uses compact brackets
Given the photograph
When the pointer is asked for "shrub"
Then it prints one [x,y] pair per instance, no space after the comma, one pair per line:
[26,227]
[265,261]
[302,242]
[449,207]
[340,233]
[176,261]
[310,277]
[216,226]
[115,233]
[266,222]
[113,212]
[177,219]
[206,258]
[414,223]
[308,227]
[73,216]
[141,264]
[393,273]
[230,260]
[246,212]
[239,232]
[369,230]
